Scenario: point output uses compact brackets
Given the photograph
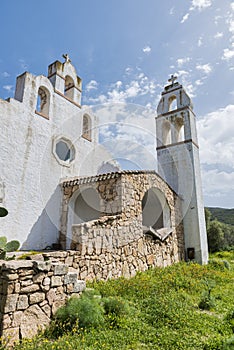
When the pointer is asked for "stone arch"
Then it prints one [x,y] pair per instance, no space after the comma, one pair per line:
[87,127]
[179,129]
[166,132]
[155,210]
[172,103]
[69,87]
[43,101]
[84,206]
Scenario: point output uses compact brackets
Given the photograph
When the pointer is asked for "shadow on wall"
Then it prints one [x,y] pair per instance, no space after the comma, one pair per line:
[45,230]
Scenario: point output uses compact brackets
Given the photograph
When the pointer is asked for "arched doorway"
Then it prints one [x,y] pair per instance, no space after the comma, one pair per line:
[87,206]
[84,206]
[155,211]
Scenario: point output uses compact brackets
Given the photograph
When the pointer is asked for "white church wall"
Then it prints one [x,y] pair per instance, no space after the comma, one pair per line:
[30,171]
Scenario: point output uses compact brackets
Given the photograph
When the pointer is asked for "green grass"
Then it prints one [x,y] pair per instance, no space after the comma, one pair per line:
[163,311]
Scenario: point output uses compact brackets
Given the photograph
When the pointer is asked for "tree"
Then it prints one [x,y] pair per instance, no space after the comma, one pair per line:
[215,236]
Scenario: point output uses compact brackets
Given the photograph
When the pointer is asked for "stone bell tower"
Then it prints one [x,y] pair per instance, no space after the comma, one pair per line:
[179,165]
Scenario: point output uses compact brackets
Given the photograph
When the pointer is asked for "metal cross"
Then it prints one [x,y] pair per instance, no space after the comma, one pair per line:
[172,79]
[67,58]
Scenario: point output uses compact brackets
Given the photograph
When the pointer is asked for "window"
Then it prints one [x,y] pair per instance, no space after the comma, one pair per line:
[179,129]
[43,101]
[64,151]
[166,132]
[172,103]
[86,128]
[69,87]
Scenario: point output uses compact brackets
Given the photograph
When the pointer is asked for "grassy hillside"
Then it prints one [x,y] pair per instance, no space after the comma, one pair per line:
[163,310]
[223,215]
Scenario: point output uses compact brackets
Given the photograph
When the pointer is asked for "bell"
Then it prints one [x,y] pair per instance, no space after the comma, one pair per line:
[3,212]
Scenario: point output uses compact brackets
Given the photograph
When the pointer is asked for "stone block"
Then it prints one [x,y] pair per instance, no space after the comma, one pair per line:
[51,296]
[79,286]
[22,303]
[56,281]
[17,264]
[60,269]
[30,289]
[42,265]
[69,260]
[10,303]
[6,321]
[71,277]
[33,320]
[17,318]
[46,281]
[38,278]
[10,336]
[36,298]
[47,310]
[56,305]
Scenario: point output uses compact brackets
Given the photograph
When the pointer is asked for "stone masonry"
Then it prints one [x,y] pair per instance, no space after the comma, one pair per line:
[31,292]
[115,245]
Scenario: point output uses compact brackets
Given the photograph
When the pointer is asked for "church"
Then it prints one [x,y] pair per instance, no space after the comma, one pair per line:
[56,201]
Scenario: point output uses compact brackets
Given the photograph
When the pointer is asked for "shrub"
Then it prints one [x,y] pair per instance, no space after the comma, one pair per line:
[78,313]
[229,344]
[230,318]
[207,301]
[115,308]
[219,264]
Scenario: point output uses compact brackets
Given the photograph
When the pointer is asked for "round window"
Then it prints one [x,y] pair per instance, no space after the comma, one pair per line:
[64,151]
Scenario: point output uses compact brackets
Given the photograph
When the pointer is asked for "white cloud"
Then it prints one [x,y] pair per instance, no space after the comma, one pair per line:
[8,88]
[196,5]
[217,183]
[216,141]
[200,42]
[182,61]
[5,74]
[205,68]
[200,4]
[218,35]
[146,49]
[118,84]
[23,64]
[92,85]
[199,82]
[228,54]
[185,17]
[172,11]
[123,92]
[216,137]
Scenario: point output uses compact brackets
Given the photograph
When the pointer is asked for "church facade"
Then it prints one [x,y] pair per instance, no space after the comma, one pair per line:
[55,199]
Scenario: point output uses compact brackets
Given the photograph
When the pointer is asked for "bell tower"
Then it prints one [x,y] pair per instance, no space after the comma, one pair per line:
[179,165]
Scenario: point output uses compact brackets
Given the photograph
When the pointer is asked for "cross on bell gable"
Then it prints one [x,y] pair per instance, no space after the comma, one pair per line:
[172,79]
[67,58]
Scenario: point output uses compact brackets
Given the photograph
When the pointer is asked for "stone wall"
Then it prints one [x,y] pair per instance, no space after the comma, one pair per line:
[31,292]
[115,245]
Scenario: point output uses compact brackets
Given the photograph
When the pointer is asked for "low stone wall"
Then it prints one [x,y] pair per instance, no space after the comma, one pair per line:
[31,292]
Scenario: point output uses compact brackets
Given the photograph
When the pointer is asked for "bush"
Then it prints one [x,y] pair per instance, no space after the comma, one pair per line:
[115,308]
[207,301]
[230,318]
[78,313]
[219,264]
[229,344]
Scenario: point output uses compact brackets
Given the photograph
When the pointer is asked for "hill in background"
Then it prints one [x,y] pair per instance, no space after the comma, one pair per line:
[223,215]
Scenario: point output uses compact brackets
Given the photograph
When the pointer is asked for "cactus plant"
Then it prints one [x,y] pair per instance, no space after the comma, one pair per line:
[7,247]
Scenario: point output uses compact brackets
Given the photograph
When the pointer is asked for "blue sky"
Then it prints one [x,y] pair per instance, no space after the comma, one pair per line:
[125,51]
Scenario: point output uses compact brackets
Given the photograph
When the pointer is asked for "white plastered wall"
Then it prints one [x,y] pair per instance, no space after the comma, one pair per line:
[29,170]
